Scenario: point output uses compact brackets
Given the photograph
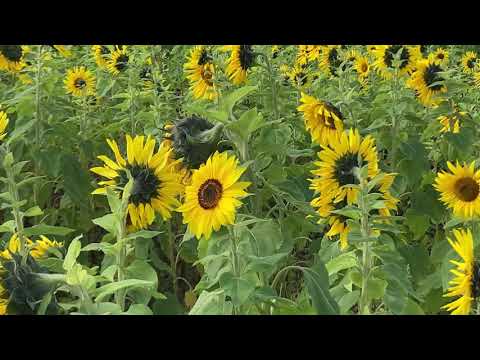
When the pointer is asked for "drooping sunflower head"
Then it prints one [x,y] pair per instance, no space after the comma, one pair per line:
[80,82]
[37,249]
[12,58]
[428,82]
[3,124]
[214,195]
[156,184]
[335,170]
[466,283]
[323,120]
[101,54]
[440,56]
[241,59]
[194,139]
[330,59]
[118,60]
[385,55]
[460,189]
[200,72]
[469,62]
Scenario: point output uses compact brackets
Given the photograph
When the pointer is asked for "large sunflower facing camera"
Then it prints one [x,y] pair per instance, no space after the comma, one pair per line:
[214,195]
[156,184]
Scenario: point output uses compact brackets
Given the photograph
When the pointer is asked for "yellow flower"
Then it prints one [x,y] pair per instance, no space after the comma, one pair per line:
[213,196]
[449,123]
[118,60]
[323,120]
[469,62]
[240,61]
[460,189]
[362,67]
[80,82]
[12,57]
[334,173]
[63,50]
[426,81]
[200,72]
[440,55]
[409,55]
[330,59]
[40,247]
[156,184]
[465,284]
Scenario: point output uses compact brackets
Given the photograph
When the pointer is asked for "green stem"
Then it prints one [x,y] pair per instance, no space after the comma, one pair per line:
[120,294]
[38,122]
[394,131]
[364,306]
[173,263]
[235,262]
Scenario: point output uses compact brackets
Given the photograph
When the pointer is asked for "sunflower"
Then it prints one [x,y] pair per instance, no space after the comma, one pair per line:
[80,82]
[240,61]
[351,56]
[330,59]
[213,196]
[298,76]
[337,161]
[409,55]
[12,57]
[323,120]
[156,184]
[307,54]
[440,55]
[469,62]
[101,53]
[275,50]
[118,60]
[362,67]
[200,71]
[460,189]
[427,82]
[3,124]
[466,283]
[449,124]
[37,249]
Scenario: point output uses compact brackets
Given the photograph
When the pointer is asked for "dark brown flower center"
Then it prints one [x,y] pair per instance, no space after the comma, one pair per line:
[146,184]
[440,56]
[204,58]
[391,51]
[329,121]
[210,194]
[122,62]
[246,56]
[476,280]
[364,67]
[207,75]
[344,169]
[467,189]
[80,83]
[471,63]
[12,52]
[431,76]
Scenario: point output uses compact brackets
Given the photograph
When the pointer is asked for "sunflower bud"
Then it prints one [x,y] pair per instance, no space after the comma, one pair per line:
[195,139]
[27,284]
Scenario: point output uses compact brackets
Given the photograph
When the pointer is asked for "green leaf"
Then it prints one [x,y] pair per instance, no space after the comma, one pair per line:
[316,281]
[108,222]
[142,270]
[8,226]
[76,180]
[247,124]
[72,253]
[341,262]
[144,234]
[229,101]
[350,212]
[42,229]
[211,303]
[348,300]
[138,309]
[417,222]
[239,289]
[108,289]
[33,211]
[263,263]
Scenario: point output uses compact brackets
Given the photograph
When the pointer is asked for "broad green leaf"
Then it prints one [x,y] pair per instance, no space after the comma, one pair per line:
[341,262]
[42,229]
[33,211]
[108,289]
[72,253]
[316,281]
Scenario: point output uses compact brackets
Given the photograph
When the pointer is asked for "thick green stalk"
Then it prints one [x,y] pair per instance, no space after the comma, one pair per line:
[235,261]
[364,306]
[38,122]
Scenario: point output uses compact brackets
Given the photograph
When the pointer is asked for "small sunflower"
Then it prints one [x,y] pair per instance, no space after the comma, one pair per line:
[298,76]
[409,55]
[466,283]
[240,61]
[200,72]
[362,67]
[351,56]
[427,82]
[80,82]
[469,62]
[101,54]
[156,184]
[275,50]
[323,120]
[449,124]
[3,124]
[440,55]
[460,189]
[213,196]
[12,57]
[334,171]
[307,54]
[330,60]
[118,60]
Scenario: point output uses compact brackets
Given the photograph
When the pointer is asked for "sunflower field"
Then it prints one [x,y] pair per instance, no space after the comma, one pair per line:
[239,179]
